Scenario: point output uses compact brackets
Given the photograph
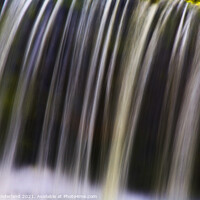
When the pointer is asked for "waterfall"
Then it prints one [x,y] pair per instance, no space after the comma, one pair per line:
[99,99]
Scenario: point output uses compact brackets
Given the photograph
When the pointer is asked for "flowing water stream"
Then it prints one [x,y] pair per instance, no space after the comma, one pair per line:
[99,99]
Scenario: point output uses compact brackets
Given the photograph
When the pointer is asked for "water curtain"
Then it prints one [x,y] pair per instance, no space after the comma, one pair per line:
[103,94]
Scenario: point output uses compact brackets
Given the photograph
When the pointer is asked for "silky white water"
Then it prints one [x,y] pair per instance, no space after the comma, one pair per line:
[99,98]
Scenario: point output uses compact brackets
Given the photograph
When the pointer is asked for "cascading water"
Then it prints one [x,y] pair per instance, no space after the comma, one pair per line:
[99,99]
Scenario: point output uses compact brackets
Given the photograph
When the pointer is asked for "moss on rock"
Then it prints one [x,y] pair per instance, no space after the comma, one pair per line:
[196,2]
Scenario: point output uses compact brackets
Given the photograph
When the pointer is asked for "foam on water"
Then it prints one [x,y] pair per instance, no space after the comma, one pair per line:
[44,184]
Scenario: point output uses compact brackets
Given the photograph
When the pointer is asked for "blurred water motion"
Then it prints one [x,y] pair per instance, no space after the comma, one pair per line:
[100,97]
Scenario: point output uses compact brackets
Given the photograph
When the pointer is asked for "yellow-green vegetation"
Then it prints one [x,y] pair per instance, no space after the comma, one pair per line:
[196,2]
